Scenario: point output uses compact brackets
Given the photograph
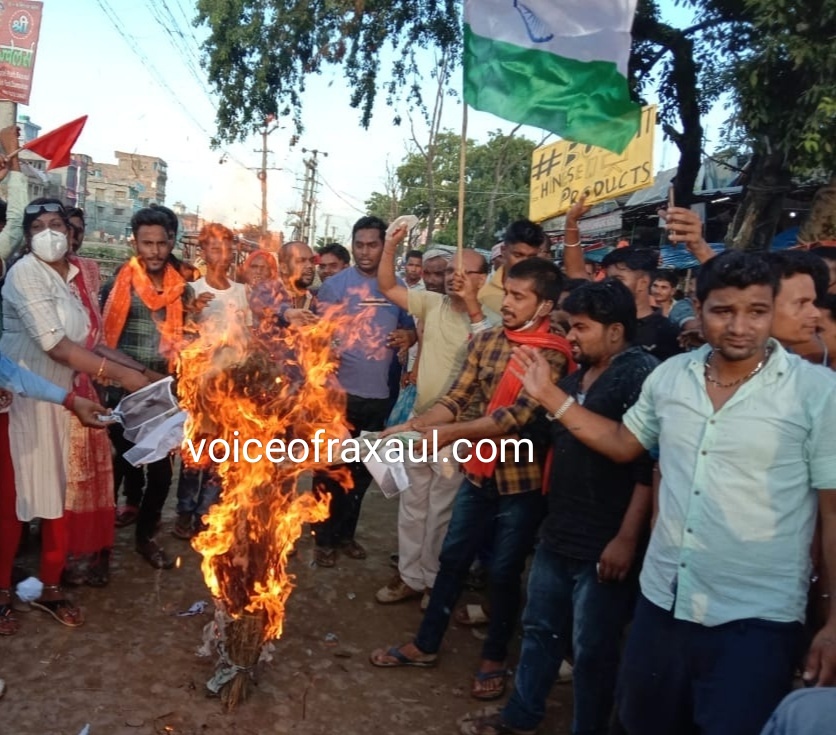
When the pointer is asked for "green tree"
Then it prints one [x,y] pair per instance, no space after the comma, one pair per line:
[783,76]
[496,191]
[259,53]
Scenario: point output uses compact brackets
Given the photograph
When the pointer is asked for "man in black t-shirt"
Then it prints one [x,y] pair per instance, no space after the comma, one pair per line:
[635,267]
[583,574]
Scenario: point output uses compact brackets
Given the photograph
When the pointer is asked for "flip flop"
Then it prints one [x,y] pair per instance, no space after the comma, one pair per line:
[62,610]
[483,676]
[401,659]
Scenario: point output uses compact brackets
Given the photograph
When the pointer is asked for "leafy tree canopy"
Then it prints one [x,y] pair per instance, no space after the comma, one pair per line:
[260,52]
[497,187]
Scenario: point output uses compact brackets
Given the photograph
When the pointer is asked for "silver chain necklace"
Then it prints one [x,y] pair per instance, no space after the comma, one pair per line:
[737,382]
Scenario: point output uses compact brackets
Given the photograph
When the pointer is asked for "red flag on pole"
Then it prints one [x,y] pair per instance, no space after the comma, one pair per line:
[56,145]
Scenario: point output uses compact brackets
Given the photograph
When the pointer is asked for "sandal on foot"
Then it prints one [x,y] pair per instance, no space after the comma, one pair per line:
[376,658]
[61,609]
[478,691]
[325,557]
[471,616]
[353,550]
[488,724]
[9,624]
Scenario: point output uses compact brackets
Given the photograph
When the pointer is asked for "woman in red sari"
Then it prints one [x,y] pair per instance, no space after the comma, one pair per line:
[89,506]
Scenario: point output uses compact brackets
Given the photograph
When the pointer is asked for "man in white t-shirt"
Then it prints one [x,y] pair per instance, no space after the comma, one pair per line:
[228,303]
[226,309]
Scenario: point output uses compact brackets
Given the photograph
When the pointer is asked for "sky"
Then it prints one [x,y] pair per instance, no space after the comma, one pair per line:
[115,61]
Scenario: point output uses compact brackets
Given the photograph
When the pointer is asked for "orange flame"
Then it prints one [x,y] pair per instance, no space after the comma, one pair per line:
[238,388]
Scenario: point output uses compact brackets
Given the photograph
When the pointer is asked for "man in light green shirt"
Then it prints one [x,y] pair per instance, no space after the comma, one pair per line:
[745,432]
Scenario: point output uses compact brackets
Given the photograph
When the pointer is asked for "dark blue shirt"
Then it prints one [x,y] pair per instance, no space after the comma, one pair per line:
[361,339]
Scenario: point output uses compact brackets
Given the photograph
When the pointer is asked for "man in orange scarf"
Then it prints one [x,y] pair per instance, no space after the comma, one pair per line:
[502,499]
[144,306]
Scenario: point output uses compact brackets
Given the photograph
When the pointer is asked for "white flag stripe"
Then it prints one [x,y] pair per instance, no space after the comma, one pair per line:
[589,30]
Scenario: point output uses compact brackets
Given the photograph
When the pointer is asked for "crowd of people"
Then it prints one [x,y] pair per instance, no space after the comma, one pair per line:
[679,516]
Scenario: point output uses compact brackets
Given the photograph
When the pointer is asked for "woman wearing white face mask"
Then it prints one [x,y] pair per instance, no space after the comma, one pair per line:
[47,329]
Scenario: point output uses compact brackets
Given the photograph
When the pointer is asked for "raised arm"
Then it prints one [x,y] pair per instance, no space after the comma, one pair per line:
[573,263]
[387,282]
[607,437]
[685,226]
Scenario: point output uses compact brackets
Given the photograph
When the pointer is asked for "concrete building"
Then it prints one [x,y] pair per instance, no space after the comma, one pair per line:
[109,193]
[148,173]
[190,222]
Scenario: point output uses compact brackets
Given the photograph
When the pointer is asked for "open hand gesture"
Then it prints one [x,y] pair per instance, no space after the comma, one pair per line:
[534,371]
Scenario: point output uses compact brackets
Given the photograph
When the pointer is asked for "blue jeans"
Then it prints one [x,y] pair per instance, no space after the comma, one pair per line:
[805,712]
[477,512]
[197,491]
[562,590]
[681,677]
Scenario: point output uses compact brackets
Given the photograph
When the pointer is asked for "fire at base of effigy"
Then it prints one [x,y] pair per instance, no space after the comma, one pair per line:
[236,388]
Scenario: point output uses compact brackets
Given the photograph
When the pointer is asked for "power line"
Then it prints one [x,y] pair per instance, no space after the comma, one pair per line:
[177,38]
[339,196]
[117,23]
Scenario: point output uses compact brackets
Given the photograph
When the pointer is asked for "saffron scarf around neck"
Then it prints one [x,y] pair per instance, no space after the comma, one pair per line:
[510,385]
[133,277]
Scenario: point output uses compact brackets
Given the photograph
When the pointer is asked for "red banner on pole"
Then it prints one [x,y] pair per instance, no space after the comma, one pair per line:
[20,26]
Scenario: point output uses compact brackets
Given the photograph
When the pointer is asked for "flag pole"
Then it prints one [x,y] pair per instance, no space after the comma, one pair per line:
[462,170]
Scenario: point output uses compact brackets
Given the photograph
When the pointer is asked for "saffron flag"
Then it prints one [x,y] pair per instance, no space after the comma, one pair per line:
[56,145]
[556,65]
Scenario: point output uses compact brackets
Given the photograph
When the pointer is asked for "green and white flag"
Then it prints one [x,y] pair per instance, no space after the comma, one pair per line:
[559,65]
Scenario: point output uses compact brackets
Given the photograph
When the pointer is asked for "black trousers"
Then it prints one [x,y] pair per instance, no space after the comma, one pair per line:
[147,489]
[364,414]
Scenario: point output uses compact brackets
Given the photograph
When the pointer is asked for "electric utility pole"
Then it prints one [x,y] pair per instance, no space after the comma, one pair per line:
[266,131]
[309,196]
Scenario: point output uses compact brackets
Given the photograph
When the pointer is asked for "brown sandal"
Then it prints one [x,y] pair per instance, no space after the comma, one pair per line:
[9,624]
[61,609]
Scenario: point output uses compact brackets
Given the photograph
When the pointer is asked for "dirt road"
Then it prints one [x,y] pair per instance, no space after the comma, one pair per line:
[132,669]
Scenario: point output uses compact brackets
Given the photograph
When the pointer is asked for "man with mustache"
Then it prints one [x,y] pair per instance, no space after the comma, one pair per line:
[745,433]
[500,500]
[583,583]
[448,322]
[288,300]
[366,349]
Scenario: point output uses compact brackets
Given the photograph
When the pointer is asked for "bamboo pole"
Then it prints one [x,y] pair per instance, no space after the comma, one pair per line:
[462,173]
[16,153]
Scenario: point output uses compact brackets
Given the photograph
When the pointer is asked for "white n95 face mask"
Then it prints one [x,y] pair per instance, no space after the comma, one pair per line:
[49,245]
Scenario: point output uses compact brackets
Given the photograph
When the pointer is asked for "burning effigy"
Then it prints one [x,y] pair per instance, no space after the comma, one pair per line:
[259,402]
